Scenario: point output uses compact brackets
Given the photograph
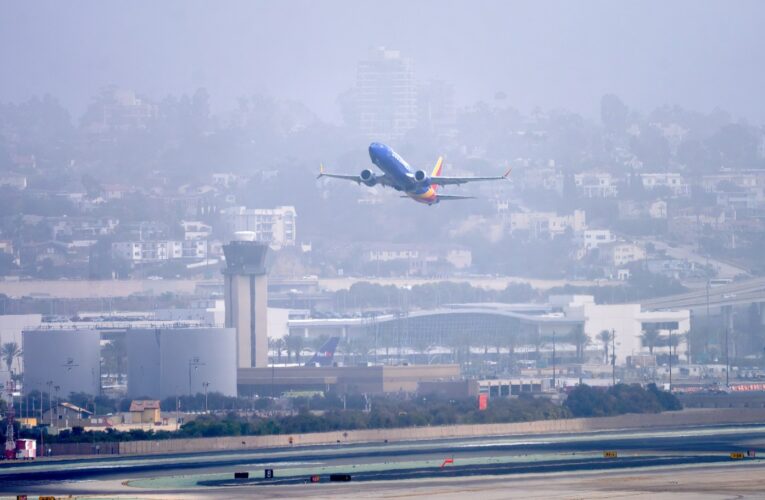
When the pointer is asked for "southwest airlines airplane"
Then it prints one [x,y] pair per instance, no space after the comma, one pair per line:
[397,174]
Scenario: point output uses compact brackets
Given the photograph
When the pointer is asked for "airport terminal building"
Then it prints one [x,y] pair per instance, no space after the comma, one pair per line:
[505,325]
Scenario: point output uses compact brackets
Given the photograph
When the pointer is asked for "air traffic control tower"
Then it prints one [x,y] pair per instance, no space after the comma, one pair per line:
[246,297]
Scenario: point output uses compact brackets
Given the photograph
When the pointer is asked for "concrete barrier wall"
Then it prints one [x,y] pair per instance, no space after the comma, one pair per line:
[56,449]
[632,421]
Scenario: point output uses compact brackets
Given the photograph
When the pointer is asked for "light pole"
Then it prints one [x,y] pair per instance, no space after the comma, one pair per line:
[727,360]
[553,360]
[49,383]
[670,360]
[613,357]
[193,363]
[58,401]
[205,385]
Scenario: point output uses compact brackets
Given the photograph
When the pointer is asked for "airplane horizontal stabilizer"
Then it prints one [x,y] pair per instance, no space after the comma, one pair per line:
[443,197]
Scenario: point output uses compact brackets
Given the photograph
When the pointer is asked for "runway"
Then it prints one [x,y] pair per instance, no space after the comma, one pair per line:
[432,468]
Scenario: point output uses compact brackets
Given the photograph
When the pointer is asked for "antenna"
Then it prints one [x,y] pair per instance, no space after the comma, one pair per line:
[10,442]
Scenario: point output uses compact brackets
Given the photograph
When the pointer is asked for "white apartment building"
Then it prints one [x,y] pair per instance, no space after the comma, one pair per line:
[195,230]
[593,238]
[460,258]
[618,254]
[673,181]
[596,185]
[151,251]
[743,180]
[547,224]
[275,226]
[14,181]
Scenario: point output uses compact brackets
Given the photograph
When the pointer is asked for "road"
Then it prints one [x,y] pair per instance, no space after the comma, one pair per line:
[485,282]
[401,468]
[687,252]
[736,293]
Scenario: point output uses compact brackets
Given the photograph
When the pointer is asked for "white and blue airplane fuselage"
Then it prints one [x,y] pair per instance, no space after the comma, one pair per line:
[397,174]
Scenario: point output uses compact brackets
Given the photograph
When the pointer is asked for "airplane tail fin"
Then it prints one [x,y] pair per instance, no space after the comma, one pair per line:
[437,171]
[325,353]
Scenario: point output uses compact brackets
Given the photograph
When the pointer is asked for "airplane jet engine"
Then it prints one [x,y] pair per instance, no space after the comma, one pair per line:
[368,177]
[422,177]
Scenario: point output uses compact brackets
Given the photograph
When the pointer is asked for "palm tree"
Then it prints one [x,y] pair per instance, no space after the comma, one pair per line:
[360,347]
[677,339]
[114,354]
[279,344]
[10,352]
[294,344]
[605,337]
[580,339]
[512,340]
[650,337]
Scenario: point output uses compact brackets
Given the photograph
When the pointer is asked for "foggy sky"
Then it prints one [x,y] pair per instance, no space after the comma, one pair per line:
[698,54]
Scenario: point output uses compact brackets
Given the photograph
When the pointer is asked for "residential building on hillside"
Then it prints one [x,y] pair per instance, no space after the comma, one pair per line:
[547,224]
[596,185]
[195,230]
[672,181]
[619,253]
[417,259]
[593,238]
[150,251]
[274,226]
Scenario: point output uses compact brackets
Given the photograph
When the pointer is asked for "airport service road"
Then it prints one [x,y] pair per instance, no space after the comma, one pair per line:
[417,464]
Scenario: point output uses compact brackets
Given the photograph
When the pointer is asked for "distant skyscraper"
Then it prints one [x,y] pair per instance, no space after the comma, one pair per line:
[435,106]
[386,95]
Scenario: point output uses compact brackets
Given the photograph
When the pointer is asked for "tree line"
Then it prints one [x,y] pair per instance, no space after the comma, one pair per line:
[336,413]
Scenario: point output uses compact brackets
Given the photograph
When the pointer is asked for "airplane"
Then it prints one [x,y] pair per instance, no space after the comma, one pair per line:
[324,354]
[397,174]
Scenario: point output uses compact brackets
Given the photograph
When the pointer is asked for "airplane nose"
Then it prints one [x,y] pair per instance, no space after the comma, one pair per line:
[374,149]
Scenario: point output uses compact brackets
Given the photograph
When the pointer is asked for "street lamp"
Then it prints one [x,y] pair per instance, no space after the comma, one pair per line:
[193,363]
[613,357]
[553,361]
[670,360]
[205,385]
[49,383]
[727,359]
[58,401]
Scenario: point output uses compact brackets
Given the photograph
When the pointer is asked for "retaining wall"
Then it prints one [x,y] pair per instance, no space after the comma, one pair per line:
[632,421]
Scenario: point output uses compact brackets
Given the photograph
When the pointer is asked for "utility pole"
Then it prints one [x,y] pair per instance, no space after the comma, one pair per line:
[49,383]
[193,363]
[205,385]
[613,357]
[553,360]
[58,401]
[670,360]
[727,360]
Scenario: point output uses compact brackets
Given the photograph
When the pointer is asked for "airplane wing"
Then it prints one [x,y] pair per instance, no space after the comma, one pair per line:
[447,181]
[380,179]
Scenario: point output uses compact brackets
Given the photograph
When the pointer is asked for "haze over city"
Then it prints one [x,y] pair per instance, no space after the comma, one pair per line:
[256,248]
[700,55]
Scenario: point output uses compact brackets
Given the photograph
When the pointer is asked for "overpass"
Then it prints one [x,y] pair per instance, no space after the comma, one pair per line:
[732,294]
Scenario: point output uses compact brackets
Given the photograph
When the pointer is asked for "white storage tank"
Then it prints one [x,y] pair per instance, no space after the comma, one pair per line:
[167,362]
[67,359]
